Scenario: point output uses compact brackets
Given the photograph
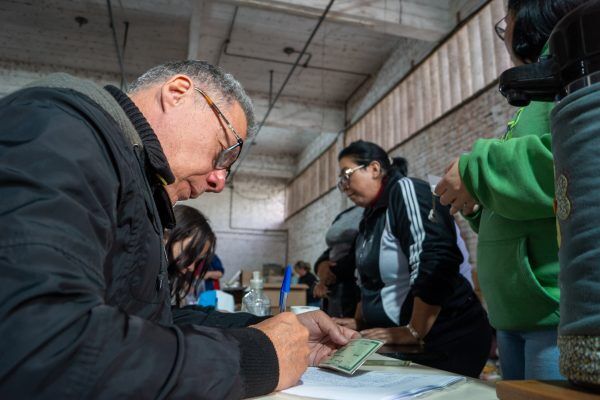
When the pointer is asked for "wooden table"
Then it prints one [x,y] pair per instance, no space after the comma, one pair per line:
[536,390]
[473,389]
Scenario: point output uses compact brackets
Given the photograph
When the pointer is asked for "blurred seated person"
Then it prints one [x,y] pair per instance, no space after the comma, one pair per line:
[302,269]
[335,267]
[188,246]
[213,273]
[411,290]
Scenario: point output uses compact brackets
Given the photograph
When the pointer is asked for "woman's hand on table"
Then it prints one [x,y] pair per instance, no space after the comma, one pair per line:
[325,274]
[320,291]
[397,335]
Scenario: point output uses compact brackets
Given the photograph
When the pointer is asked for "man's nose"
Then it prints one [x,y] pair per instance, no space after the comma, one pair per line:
[216,180]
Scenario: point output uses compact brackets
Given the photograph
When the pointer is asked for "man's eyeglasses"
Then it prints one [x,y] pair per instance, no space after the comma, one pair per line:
[228,155]
[344,177]
[500,28]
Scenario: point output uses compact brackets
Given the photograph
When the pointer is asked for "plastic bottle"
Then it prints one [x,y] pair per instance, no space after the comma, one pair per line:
[255,301]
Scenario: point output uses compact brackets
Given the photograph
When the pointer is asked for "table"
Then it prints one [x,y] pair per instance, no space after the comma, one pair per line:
[473,389]
[547,390]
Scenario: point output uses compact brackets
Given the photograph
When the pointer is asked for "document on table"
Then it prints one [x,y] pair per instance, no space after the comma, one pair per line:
[369,385]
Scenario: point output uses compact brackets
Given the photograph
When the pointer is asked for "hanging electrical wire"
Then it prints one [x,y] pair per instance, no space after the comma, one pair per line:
[126,33]
[287,78]
[118,49]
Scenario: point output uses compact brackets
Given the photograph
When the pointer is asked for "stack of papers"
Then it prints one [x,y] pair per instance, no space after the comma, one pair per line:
[369,385]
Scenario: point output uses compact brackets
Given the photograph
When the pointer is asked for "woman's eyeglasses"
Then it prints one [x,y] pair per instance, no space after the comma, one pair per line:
[344,177]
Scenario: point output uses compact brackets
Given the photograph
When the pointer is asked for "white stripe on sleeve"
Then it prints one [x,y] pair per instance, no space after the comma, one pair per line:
[416,226]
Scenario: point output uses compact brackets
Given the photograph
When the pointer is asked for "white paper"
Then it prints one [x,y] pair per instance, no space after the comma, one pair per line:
[368,385]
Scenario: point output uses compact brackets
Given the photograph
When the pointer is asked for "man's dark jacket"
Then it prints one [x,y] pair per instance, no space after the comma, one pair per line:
[84,300]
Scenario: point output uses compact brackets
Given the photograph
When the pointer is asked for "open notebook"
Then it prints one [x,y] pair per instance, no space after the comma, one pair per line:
[369,385]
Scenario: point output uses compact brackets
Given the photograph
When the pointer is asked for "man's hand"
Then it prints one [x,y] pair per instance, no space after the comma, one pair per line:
[398,335]
[452,190]
[349,323]
[320,291]
[291,341]
[325,336]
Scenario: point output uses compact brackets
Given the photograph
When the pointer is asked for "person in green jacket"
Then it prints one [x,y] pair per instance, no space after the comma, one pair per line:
[505,188]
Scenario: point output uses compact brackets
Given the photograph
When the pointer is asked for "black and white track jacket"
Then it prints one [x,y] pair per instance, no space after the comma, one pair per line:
[401,254]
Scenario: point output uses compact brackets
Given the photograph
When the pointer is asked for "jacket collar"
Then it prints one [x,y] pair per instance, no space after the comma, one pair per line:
[156,159]
[390,179]
[155,162]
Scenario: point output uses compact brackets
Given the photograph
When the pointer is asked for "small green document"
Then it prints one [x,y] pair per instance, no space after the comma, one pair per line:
[350,357]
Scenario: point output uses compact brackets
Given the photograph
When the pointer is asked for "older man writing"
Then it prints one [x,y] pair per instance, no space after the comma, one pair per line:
[88,176]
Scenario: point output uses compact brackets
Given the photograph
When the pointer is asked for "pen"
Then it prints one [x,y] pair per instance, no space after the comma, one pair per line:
[285,288]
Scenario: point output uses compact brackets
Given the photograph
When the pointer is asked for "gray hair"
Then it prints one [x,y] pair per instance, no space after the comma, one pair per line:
[205,76]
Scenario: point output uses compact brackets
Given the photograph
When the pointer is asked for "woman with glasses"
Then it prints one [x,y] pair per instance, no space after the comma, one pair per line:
[408,265]
[188,246]
[512,181]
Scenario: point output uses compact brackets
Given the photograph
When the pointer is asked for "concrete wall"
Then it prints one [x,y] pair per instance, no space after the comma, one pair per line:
[248,221]
[14,75]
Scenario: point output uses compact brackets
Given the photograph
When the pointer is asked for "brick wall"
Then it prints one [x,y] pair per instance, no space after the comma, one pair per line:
[431,150]
[405,55]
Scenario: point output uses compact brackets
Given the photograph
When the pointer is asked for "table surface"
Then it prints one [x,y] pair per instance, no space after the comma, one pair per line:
[548,390]
[473,389]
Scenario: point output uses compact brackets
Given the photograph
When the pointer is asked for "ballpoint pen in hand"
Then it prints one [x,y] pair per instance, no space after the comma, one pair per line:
[285,288]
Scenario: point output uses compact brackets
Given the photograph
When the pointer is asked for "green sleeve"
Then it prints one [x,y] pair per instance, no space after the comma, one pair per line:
[513,178]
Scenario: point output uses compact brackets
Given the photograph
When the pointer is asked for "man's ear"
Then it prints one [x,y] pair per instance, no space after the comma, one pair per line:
[175,90]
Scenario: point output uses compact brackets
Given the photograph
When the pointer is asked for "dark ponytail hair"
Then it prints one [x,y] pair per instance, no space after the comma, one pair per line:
[364,153]
[192,224]
[534,21]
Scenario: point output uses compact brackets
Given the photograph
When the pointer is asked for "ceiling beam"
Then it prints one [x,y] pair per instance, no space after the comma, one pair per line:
[283,167]
[200,13]
[408,18]
[299,115]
